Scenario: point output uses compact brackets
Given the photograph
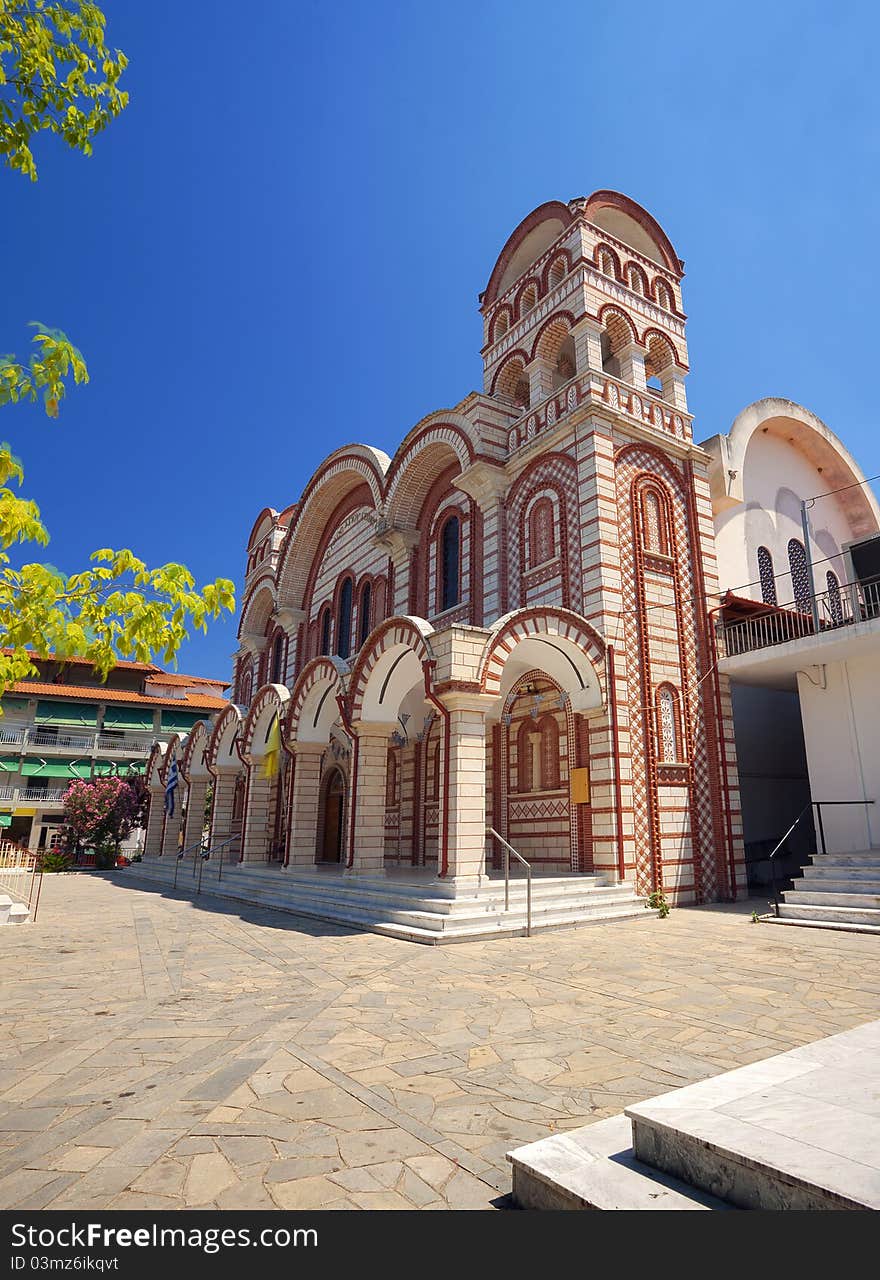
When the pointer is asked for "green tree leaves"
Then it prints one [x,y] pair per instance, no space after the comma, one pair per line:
[56,74]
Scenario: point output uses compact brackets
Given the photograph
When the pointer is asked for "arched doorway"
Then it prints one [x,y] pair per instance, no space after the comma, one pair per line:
[332,813]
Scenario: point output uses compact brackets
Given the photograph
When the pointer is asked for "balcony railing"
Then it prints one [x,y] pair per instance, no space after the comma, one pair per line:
[812,615]
[32,794]
[47,738]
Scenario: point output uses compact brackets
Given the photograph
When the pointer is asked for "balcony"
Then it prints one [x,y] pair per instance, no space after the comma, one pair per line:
[36,795]
[12,737]
[60,739]
[110,745]
[47,739]
[770,645]
[816,615]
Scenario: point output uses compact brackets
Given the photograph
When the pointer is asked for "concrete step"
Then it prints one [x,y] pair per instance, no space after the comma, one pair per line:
[868,858]
[840,882]
[595,1168]
[830,914]
[803,895]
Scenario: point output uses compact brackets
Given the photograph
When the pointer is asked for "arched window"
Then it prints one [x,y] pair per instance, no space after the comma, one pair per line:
[278,660]
[364,627]
[524,772]
[450,587]
[542,540]
[528,300]
[800,578]
[654,530]
[557,272]
[324,630]
[664,297]
[766,576]
[667,726]
[391,781]
[343,621]
[636,280]
[246,683]
[835,603]
[606,263]
[549,753]
[501,326]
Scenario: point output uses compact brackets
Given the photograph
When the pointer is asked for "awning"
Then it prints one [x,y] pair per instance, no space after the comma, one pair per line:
[55,769]
[180,721]
[81,714]
[117,717]
[9,765]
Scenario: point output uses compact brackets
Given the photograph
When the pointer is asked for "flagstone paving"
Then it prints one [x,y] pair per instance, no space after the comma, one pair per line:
[160,1054]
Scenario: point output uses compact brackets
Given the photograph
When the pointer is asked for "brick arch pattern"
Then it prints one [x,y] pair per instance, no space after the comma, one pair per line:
[414,633]
[270,695]
[343,472]
[258,605]
[153,771]
[229,717]
[637,466]
[509,373]
[319,669]
[525,624]
[556,471]
[194,750]
[552,335]
[415,467]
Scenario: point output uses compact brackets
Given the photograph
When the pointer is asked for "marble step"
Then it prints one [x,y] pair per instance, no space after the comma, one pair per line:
[866,859]
[791,1132]
[806,896]
[830,914]
[467,921]
[595,1168]
[840,926]
[840,882]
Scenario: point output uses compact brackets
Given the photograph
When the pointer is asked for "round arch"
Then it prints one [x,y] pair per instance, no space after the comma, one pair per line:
[344,471]
[258,607]
[313,707]
[192,764]
[389,666]
[221,751]
[430,448]
[549,639]
[271,701]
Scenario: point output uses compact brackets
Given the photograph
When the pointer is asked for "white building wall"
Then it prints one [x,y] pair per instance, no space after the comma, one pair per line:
[842,734]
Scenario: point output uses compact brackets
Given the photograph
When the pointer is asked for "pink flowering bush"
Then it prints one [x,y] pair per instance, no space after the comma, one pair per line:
[102,812]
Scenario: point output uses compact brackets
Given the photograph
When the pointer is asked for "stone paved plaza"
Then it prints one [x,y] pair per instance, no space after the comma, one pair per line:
[161,1054]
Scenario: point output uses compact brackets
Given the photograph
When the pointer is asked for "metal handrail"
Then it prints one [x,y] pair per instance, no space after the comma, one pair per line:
[216,848]
[181,854]
[814,804]
[508,850]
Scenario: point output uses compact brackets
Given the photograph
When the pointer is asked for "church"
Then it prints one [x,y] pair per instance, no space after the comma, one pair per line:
[500,636]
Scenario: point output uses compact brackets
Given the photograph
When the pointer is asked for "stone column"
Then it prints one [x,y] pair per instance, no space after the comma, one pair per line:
[367,853]
[256,832]
[155,824]
[587,334]
[672,382]
[400,545]
[171,832]
[195,811]
[540,376]
[465,802]
[221,813]
[487,484]
[305,803]
[631,359]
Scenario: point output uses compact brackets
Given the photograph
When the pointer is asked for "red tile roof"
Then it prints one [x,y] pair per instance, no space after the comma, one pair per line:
[99,693]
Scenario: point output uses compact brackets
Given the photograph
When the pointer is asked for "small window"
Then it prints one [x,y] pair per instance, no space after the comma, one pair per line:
[450,587]
[767,576]
[524,771]
[800,576]
[324,630]
[502,324]
[364,627]
[557,273]
[542,542]
[343,623]
[528,300]
[654,523]
[606,263]
[835,603]
[667,712]
[278,660]
[549,752]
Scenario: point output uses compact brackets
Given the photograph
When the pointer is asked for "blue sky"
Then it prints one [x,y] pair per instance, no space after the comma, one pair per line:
[278,248]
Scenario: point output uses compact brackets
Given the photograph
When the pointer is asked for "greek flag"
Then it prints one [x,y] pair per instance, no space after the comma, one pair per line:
[171,787]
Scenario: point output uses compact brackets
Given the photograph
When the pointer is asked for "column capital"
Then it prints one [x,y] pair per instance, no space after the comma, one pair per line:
[369,729]
[298,748]
[397,541]
[462,700]
[484,482]
[288,618]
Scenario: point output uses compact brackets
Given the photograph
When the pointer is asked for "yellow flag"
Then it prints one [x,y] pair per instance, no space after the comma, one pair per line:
[273,751]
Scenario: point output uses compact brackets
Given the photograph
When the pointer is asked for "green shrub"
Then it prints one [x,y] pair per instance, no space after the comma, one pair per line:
[56,860]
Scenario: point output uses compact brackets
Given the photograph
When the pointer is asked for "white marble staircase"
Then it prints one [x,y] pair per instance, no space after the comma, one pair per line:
[415,907]
[836,891]
[796,1131]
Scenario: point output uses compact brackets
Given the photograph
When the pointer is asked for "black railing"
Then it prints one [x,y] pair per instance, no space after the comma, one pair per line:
[818,805]
[840,606]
